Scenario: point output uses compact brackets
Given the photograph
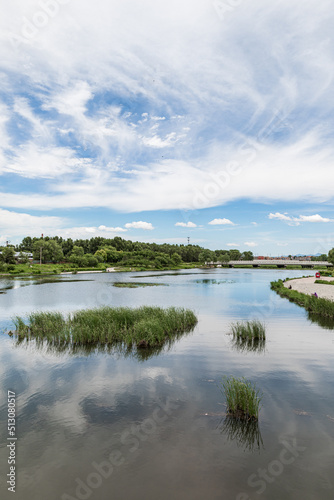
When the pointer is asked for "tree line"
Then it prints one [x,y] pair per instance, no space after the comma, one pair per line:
[96,250]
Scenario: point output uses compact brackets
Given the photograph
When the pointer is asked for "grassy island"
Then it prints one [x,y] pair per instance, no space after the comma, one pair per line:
[141,327]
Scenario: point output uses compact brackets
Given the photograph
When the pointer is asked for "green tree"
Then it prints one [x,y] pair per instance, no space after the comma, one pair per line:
[77,256]
[224,258]
[206,256]
[47,251]
[235,254]
[331,256]
[247,255]
[101,255]
[89,260]
[8,255]
[23,258]
[176,259]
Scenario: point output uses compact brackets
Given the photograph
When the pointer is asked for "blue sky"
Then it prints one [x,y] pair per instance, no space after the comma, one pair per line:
[157,120]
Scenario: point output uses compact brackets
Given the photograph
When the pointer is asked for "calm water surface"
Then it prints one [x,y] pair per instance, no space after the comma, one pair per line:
[109,426]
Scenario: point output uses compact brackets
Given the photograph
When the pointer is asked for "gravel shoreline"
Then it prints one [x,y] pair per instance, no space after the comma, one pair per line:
[307,286]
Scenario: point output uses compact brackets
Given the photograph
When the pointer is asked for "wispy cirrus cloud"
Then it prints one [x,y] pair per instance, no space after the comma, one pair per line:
[151,117]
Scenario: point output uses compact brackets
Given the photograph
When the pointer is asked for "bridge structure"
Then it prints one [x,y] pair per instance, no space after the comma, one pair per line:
[280,264]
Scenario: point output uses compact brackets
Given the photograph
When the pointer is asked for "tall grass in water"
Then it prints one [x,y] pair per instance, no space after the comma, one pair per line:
[242,398]
[248,330]
[143,327]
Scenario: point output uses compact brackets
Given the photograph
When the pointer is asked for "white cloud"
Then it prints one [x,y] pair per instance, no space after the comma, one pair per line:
[51,162]
[301,218]
[186,224]
[279,216]
[313,218]
[234,245]
[254,223]
[112,229]
[16,224]
[218,222]
[251,244]
[139,225]
[191,61]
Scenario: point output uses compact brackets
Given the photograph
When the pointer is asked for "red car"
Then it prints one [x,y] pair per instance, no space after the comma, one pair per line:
[317,275]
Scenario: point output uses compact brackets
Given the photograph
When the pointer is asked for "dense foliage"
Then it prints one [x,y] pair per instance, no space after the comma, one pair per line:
[116,251]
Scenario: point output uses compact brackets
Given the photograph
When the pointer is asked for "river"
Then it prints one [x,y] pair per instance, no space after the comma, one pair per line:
[106,425]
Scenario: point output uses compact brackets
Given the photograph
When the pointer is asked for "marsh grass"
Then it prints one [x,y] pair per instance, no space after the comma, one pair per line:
[143,327]
[128,284]
[322,307]
[242,398]
[248,330]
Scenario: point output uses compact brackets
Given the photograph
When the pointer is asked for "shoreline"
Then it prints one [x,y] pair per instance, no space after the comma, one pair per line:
[309,287]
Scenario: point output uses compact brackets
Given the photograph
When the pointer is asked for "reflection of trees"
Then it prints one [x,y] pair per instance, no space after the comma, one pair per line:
[249,345]
[245,432]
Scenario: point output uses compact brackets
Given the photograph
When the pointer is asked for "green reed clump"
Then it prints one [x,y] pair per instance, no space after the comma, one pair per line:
[142,327]
[253,329]
[242,398]
[42,325]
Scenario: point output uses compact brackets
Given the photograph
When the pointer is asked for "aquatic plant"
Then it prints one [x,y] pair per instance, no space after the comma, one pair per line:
[242,398]
[253,329]
[141,327]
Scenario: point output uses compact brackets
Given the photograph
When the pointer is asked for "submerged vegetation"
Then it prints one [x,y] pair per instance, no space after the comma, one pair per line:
[314,305]
[107,326]
[242,398]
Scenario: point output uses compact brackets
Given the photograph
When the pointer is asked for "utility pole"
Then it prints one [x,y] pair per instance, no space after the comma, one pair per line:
[188,240]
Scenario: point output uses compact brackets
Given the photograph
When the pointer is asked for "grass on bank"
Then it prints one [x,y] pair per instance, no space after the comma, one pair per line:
[242,398]
[322,307]
[141,327]
[324,282]
[253,329]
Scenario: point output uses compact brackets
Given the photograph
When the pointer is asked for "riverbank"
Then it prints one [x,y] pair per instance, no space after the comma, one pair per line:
[309,287]
[321,305]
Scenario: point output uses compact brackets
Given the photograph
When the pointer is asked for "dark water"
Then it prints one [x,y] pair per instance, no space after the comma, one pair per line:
[108,426]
